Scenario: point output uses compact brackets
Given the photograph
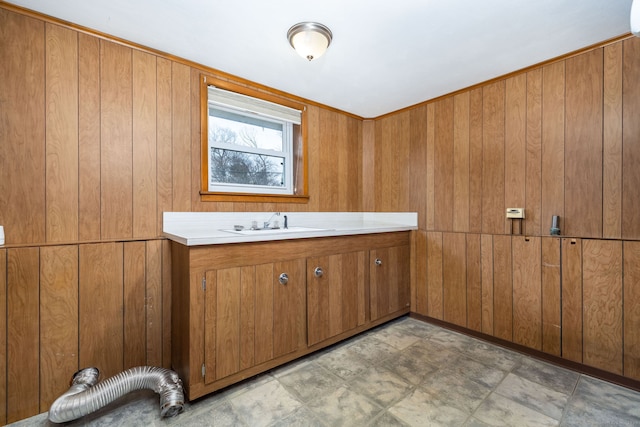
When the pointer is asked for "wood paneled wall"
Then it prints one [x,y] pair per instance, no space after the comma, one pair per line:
[98,138]
[561,139]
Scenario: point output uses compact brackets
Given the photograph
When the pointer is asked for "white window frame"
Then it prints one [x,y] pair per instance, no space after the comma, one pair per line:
[236,103]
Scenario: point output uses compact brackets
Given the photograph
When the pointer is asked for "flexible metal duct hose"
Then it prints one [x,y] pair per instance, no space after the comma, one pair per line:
[85,397]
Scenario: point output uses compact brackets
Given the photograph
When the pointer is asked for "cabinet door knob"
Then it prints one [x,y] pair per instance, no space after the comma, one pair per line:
[378,261]
[318,272]
[283,279]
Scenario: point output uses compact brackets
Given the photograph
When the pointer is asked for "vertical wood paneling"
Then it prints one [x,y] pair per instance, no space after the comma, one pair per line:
[631,251]
[247,316]
[475,161]
[145,190]
[3,336]
[515,146]
[264,313]
[166,304]
[431,185]
[474,282]
[210,326]
[602,304]
[493,116]
[330,160]
[434,274]
[101,307]
[392,158]
[454,278]
[417,163]
[533,163]
[461,162]
[116,144]
[23,379]
[134,270]
[527,291]
[502,288]
[153,303]
[551,298]
[368,160]
[351,180]
[58,321]
[61,133]
[419,282]
[486,259]
[631,139]
[88,137]
[289,311]
[164,114]
[583,145]
[181,137]
[553,93]
[443,163]
[572,299]
[612,142]
[22,158]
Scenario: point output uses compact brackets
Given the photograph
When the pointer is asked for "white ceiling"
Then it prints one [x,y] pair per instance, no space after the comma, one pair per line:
[385,55]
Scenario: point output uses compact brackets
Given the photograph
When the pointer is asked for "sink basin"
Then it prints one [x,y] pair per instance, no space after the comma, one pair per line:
[263,231]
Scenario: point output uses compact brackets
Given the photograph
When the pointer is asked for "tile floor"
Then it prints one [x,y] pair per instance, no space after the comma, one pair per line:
[404,373]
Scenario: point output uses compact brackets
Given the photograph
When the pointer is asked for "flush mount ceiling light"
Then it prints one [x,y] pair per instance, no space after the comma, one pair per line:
[635,18]
[309,39]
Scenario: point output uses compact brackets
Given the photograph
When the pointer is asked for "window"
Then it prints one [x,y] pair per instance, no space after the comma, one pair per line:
[251,145]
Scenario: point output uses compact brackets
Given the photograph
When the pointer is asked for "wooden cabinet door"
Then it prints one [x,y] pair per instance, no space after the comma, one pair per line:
[389,276]
[335,295]
[250,317]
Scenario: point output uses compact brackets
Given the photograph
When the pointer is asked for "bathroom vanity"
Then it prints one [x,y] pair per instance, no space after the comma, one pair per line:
[244,303]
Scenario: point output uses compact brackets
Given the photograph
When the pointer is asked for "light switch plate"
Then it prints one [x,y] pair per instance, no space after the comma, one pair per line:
[515,213]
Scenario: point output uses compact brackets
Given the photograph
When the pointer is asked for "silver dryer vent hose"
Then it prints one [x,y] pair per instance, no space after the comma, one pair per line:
[85,396]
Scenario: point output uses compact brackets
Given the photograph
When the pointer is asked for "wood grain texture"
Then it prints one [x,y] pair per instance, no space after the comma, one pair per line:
[553,122]
[167,302]
[474,282]
[23,321]
[419,284]
[434,274]
[417,162]
[454,278]
[631,266]
[551,296]
[583,145]
[631,139]
[515,145]
[134,263]
[164,114]
[89,196]
[22,158]
[602,304]
[61,133]
[502,288]
[392,158]
[533,163]
[144,104]
[58,320]
[612,142]
[486,260]
[368,161]
[527,291]
[227,320]
[493,158]
[116,188]
[289,311]
[153,303]
[461,162]
[264,311]
[181,137]
[210,329]
[475,160]
[247,316]
[430,167]
[572,299]
[443,164]
[101,307]
[3,336]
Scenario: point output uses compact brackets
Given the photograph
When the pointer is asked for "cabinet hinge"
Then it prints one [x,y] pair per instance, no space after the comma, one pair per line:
[204,283]
[204,370]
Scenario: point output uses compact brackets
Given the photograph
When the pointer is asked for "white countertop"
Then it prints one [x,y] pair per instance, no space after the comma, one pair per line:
[215,228]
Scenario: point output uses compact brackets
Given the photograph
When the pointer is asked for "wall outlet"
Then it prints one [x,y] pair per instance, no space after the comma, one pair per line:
[1,235]
[515,213]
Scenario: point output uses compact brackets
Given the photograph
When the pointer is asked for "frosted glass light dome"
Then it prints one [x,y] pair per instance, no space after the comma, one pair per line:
[309,39]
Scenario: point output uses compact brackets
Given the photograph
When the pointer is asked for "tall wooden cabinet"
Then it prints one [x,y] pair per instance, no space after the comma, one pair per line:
[241,309]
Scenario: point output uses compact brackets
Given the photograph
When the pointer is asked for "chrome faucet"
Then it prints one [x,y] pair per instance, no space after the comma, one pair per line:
[268,222]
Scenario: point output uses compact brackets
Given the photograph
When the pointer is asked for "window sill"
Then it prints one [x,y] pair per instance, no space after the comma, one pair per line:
[253,198]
